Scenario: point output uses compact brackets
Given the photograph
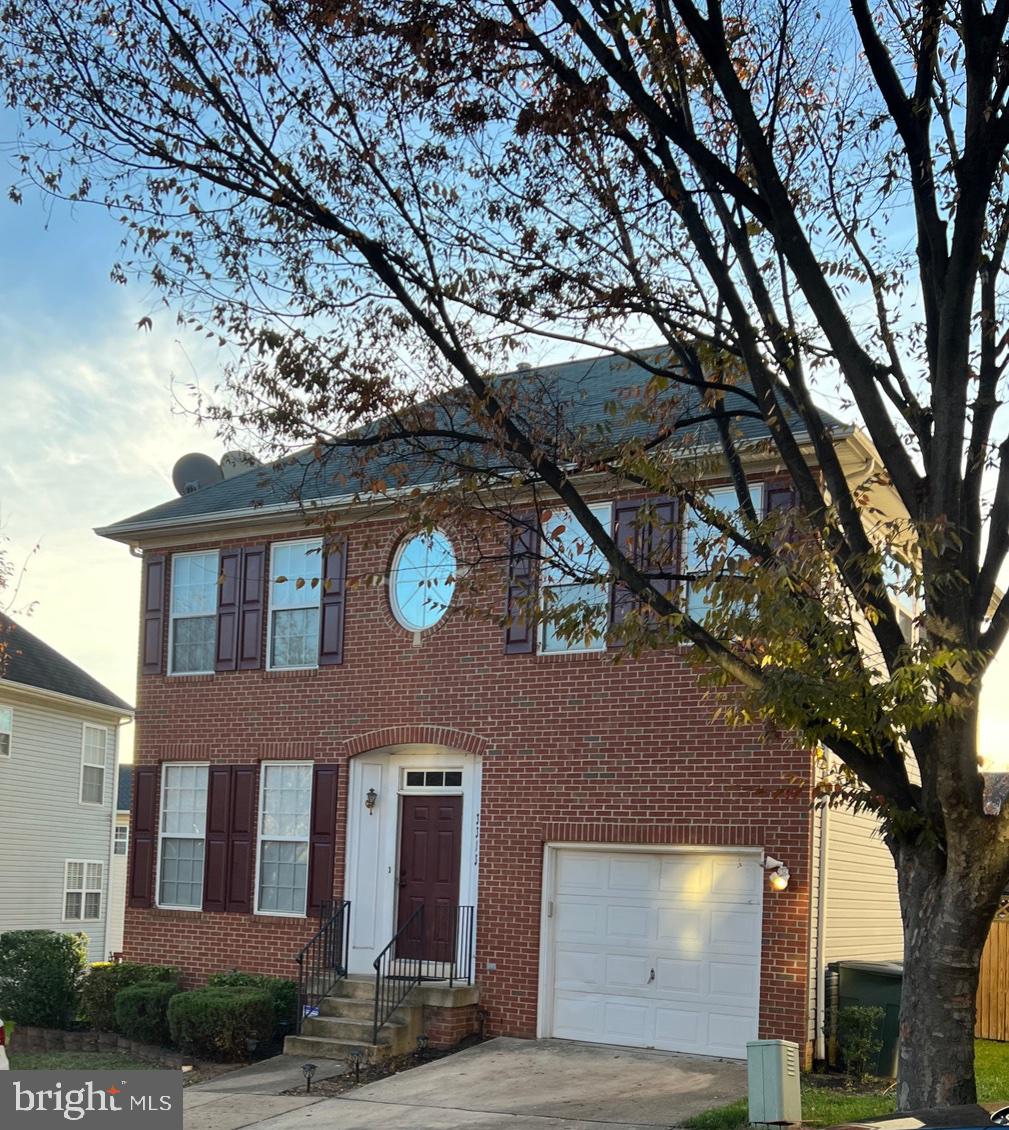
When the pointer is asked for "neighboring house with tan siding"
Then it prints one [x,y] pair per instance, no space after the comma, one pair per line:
[59,753]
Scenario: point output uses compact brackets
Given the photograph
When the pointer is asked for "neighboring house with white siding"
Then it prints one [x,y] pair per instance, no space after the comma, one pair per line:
[59,759]
[120,853]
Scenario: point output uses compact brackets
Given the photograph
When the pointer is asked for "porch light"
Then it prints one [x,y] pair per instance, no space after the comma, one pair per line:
[778,873]
[370,800]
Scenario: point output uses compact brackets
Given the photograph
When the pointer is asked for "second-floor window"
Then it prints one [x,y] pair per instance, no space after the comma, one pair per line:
[295,593]
[701,541]
[571,561]
[6,730]
[193,613]
[94,758]
[183,828]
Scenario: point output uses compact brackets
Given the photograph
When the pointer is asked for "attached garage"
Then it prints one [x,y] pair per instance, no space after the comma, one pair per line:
[652,949]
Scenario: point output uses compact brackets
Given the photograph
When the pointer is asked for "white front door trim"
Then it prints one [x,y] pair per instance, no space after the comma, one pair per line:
[371,874]
[545,996]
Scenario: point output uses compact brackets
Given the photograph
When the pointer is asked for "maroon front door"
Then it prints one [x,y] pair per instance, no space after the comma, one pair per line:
[429,850]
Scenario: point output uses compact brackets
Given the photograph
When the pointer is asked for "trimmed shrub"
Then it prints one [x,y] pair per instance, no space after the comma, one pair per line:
[860,1038]
[219,1022]
[283,993]
[105,979]
[142,1011]
[40,976]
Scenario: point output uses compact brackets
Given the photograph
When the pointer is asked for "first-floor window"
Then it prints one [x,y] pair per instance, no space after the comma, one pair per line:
[285,803]
[82,891]
[183,828]
[6,729]
[122,839]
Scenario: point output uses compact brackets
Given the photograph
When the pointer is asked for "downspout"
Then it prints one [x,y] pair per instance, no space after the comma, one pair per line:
[820,1047]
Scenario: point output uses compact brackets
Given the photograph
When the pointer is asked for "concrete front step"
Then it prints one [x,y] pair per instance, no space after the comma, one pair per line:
[344,1029]
[318,1047]
[355,988]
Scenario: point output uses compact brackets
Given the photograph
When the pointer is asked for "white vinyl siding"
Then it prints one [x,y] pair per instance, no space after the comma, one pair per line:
[285,808]
[94,763]
[561,584]
[6,730]
[295,594]
[862,910]
[193,613]
[82,890]
[183,828]
[42,820]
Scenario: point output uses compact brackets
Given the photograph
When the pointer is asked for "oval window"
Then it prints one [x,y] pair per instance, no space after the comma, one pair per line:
[422,580]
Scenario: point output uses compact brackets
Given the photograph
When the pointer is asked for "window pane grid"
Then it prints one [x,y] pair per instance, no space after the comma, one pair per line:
[285,814]
[183,826]
[295,595]
[122,839]
[194,612]
[6,729]
[563,586]
[82,890]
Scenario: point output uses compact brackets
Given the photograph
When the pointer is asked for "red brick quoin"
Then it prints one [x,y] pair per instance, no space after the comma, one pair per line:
[575,748]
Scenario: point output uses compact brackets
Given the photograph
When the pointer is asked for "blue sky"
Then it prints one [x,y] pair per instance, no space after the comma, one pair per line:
[91,425]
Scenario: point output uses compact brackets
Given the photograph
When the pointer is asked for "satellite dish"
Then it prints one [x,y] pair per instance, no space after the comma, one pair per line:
[237,463]
[194,472]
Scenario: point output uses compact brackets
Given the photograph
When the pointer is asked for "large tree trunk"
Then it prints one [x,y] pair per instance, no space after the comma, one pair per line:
[947,916]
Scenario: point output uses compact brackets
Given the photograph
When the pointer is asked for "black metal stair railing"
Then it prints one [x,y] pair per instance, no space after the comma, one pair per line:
[434,944]
[322,963]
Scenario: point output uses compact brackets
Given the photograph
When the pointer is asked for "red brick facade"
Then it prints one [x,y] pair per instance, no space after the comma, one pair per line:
[574,748]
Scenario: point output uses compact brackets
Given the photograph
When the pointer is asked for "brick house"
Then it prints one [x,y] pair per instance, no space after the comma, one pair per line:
[347,741]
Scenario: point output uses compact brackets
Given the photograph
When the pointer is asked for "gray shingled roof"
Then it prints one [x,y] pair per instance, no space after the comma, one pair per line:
[124,792]
[587,388]
[29,661]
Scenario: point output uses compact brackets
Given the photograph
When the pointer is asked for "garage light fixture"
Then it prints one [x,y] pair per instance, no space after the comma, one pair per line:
[777,873]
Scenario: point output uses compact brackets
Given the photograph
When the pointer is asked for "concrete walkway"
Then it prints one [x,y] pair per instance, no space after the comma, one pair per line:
[504,1084]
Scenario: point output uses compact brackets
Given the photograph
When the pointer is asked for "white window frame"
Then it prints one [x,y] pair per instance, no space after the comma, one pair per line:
[271,607]
[307,840]
[162,835]
[107,731]
[438,790]
[604,513]
[441,612]
[171,610]
[124,840]
[9,732]
[84,889]
[717,496]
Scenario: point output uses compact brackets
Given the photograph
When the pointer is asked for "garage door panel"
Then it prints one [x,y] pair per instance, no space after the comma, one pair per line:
[662,951]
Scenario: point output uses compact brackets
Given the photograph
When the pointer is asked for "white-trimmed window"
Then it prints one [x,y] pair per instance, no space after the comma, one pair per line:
[700,540]
[183,828]
[82,890]
[562,581]
[94,758]
[6,730]
[193,613]
[295,593]
[285,806]
[121,842]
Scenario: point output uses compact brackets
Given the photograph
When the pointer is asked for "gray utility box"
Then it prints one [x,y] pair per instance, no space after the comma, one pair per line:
[772,1076]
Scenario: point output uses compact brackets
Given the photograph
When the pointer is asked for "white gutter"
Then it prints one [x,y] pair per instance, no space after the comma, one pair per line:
[820,1048]
[126,712]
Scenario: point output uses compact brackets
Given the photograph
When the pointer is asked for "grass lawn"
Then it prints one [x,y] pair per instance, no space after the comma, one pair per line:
[77,1061]
[826,1106]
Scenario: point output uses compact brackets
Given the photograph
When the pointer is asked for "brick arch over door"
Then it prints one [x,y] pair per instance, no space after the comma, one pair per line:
[443,736]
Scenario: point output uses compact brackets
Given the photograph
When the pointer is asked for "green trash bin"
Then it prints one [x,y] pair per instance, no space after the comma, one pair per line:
[875,983]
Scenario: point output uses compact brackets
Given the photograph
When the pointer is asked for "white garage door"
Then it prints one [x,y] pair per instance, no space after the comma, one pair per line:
[655,950]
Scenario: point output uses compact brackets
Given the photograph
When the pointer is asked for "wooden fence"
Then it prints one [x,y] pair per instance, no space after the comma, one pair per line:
[993,987]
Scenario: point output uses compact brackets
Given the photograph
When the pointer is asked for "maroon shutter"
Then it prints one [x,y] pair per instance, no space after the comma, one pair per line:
[241,839]
[520,631]
[154,614]
[250,613]
[651,546]
[143,828]
[215,857]
[779,496]
[322,837]
[332,601]
[228,596]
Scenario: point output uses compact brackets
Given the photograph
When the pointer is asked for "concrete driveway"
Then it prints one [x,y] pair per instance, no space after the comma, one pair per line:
[504,1084]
